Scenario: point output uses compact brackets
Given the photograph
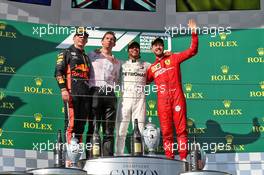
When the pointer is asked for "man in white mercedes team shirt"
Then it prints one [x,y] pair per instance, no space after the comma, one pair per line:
[132,103]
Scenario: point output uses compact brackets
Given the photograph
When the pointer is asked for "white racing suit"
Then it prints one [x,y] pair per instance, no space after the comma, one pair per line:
[132,104]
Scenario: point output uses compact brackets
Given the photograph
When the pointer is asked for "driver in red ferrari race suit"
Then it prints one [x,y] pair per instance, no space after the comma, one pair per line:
[165,72]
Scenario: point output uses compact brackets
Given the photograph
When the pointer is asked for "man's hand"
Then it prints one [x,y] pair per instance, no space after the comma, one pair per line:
[65,95]
[192,25]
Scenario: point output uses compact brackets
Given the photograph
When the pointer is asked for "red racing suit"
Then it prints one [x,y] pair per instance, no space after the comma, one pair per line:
[171,101]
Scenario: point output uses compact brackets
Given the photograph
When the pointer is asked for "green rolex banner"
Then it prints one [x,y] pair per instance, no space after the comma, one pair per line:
[223,84]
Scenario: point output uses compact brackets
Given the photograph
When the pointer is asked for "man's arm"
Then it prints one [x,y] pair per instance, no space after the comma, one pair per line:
[149,75]
[118,71]
[60,72]
[182,56]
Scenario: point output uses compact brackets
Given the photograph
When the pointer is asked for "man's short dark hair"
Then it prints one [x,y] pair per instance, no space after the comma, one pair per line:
[81,31]
[109,33]
[157,40]
[133,44]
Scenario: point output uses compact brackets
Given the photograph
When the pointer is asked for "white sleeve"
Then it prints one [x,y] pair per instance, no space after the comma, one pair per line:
[118,72]
[147,64]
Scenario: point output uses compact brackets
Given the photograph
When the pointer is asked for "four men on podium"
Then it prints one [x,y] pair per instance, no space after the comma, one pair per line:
[88,83]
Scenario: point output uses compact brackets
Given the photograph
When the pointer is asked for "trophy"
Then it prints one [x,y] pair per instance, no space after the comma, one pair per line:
[151,136]
[74,150]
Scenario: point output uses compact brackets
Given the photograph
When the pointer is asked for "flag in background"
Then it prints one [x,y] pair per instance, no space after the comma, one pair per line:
[134,5]
[41,2]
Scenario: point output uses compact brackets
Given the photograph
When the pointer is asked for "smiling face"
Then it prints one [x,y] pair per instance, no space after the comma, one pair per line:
[133,52]
[157,49]
[108,41]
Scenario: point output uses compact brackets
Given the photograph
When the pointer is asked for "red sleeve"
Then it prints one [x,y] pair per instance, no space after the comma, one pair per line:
[149,75]
[182,56]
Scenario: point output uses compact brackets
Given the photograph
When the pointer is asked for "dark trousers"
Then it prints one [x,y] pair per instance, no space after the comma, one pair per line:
[104,112]
[77,113]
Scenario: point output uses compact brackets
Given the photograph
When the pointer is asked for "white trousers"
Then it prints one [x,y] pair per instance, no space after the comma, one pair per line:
[129,108]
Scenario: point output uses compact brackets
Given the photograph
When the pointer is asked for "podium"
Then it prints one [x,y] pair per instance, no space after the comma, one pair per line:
[15,173]
[123,165]
[132,165]
[205,172]
[57,171]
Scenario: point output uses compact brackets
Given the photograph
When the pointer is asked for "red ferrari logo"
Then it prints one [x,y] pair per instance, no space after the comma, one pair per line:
[167,62]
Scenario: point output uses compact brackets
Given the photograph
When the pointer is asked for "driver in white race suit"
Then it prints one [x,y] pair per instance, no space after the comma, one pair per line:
[132,103]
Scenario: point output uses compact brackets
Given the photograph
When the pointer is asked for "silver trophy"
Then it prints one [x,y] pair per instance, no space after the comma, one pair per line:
[74,151]
[151,136]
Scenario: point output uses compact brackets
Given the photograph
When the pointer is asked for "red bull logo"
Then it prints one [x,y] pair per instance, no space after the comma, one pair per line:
[81,67]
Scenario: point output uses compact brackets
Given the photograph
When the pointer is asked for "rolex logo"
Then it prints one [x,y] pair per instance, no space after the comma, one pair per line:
[223,42]
[227,103]
[260,51]
[225,69]
[38,81]
[1,131]
[2,25]
[227,110]
[261,85]
[225,76]
[38,117]
[2,94]
[229,139]
[2,60]
[223,36]
[190,122]
[151,104]
[188,87]
[258,93]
